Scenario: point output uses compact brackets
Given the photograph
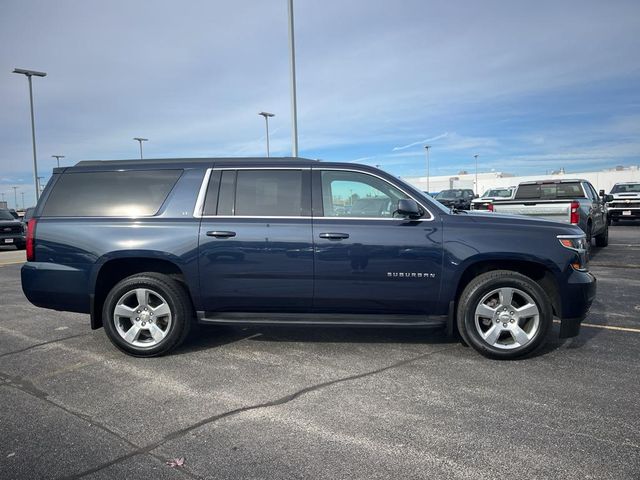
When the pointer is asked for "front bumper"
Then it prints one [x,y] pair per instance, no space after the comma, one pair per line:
[577,297]
[634,213]
[12,239]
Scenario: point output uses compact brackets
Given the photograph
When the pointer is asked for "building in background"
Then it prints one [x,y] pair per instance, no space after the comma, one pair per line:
[604,179]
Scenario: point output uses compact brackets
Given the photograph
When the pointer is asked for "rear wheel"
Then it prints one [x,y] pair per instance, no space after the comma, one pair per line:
[504,314]
[147,315]
[602,240]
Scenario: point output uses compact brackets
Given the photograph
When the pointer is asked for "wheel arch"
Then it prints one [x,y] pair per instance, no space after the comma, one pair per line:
[115,268]
[539,272]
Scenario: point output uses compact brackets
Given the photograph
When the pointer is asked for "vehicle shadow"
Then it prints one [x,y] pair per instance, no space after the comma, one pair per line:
[210,336]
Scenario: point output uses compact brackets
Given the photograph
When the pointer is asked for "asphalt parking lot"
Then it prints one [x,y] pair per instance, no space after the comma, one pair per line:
[323,403]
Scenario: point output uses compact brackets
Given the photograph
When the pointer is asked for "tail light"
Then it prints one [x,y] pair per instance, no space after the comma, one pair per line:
[575,213]
[31,240]
[490,207]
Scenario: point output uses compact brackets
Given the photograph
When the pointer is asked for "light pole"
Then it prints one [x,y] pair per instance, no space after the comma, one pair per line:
[140,140]
[476,157]
[22,193]
[292,65]
[58,157]
[427,147]
[29,74]
[266,116]
[40,184]
[15,196]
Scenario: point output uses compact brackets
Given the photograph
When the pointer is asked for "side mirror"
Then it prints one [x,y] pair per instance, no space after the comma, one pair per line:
[476,196]
[608,198]
[601,193]
[408,208]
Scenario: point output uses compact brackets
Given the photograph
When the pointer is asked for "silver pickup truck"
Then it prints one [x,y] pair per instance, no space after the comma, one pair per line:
[567,201]
[625,203]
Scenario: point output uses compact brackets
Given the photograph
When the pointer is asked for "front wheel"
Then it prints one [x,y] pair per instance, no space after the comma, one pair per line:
[147,315]
[504,315]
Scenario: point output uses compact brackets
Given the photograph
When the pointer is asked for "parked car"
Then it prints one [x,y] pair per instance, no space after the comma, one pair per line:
[457,198]
[568,201]
[11,230]
[146,246]
[485,202]
[625,201]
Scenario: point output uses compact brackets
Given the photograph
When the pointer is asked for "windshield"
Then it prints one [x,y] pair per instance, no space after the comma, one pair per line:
[498,193]
[449,195]
[626,188]
[6,215]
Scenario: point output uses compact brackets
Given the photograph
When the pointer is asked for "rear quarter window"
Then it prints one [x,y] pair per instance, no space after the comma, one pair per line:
[110,194]
[550,191]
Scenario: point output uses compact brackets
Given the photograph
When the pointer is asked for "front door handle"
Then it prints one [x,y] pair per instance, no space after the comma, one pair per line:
[220,234]
[334,236]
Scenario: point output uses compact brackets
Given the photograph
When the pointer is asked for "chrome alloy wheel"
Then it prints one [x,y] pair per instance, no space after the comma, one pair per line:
[507,318]
[142,317]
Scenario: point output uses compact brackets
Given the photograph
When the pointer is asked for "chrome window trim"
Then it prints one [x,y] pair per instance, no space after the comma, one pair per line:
[199,206]
[431,216]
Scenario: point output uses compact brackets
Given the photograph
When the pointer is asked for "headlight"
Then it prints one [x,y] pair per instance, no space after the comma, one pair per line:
[574,242]
[577,243]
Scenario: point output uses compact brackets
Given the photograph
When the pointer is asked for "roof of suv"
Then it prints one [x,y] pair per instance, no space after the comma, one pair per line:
[150,164]
[190,161]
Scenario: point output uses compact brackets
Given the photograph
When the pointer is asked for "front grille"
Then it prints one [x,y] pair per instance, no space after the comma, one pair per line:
[11,229]
[619,204]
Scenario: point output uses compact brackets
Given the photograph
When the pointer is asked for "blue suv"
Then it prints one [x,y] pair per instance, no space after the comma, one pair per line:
[149,247]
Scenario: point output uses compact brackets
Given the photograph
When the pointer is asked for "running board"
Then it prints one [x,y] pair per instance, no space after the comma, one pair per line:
[319,319]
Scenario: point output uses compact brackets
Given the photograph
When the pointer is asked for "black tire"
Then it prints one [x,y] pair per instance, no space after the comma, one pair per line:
[602,240]
[589,235]
[484,285]
[173,293]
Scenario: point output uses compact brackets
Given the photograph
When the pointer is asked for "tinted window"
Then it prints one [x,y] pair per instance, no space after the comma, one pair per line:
[110,194]
[354,194]
[227,193]
[269,193]
[550,191]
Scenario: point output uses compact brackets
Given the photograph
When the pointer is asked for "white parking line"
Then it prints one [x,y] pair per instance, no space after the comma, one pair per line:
[607,327]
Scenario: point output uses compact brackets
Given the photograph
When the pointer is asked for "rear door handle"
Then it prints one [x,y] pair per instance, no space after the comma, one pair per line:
[220,234]
[334,235]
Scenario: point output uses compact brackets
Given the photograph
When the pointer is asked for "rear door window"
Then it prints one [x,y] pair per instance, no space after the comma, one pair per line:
[110,194]
[258,193]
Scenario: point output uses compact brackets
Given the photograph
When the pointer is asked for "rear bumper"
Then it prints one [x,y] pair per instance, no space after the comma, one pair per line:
[55,286]
[576,301]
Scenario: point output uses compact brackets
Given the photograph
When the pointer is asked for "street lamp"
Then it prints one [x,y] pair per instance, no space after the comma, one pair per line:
[292,65]
[266,116]
[427,147]
[140,140]
[58,157]
[22,193]
[29,74]
[476,157]
[15,196]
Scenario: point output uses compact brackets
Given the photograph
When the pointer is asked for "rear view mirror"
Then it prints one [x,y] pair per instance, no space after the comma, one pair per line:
[608,198]
[408,208]
[601,193]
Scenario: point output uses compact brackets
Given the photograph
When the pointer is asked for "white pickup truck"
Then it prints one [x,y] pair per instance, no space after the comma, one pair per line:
[625,204]
[567,201]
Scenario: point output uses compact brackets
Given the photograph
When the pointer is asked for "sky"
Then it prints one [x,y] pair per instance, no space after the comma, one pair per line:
[528,86]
